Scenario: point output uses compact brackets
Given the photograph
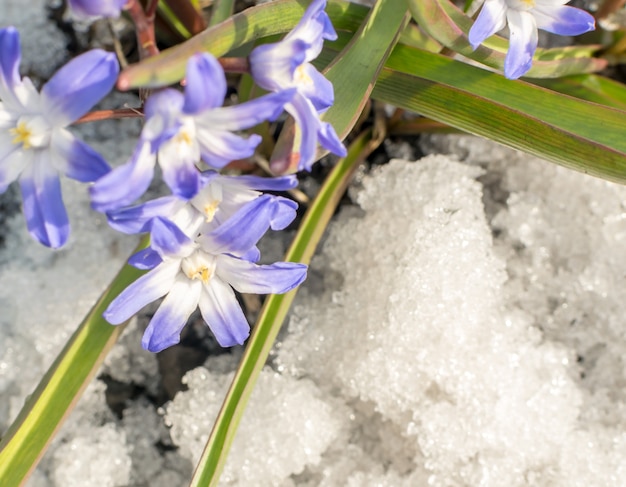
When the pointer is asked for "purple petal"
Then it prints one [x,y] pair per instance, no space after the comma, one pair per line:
[163,117]
[308,123]
[284,212]
[222,313]
[147,288]
[145,259]
[179,171]
[248,114]
[272,66]
[247,277]
[125,183]
[329,140]
[282,183]
[79,85]
[76,159]
[491,19]
[243,230]
[97,8]
[45,213]
[206,84]
[171,317]
[564,20]
[218,148]
[315,87]
[10,57]
[314,27]
[169,240]
[523,43]
[135,219]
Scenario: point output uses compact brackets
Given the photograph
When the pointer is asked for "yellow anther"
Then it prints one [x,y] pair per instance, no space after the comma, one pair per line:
[22,135]
[201,273]
[210,209]
[183,137]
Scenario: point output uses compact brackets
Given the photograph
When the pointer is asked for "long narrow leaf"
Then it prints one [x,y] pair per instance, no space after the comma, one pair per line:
[574,133]
[54,398]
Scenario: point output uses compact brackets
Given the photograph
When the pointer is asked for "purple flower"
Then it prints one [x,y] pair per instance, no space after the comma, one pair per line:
[201,273]
[287,64]
[96,8]
[34,144]
[181,129]
[524,17]
[219,198]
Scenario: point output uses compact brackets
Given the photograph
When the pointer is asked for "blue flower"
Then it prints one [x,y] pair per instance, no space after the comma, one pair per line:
[182,129]
[524,17]
[34,144]
[96,8]
[219,198]
[287,64]
[201,273]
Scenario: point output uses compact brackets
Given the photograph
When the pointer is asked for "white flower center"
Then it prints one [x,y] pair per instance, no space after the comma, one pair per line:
[32,132]
[199,265]
[521,4]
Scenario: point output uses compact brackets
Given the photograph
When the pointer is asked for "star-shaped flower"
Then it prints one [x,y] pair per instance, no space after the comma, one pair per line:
[201,273]
[524,17]
[182,129]
[35,146]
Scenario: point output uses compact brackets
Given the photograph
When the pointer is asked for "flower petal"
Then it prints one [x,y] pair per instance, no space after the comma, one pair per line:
[523,43]
[76,159]
[177,160]
[135,219]
[284,212]
[206,84]
[248,114]
[247,277]
[171,317]
[145,259]
[218,147]
[564,20]
[147,288]
[222,313]
[10,57]
[273,65]
[491,19]
[282,183]
[241,231]
[125,183]
[79,85]
[12,165]
[314,86]
[308,123]
[45,213]
[329,140]
[96,8]
[168,240]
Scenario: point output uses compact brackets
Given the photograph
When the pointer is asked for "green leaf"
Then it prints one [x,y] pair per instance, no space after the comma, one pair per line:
[590,87]
[574,133]
[25,442]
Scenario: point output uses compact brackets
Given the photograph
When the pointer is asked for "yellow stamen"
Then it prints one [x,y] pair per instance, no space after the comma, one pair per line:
[210,209]
[22,135]
[201,273]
